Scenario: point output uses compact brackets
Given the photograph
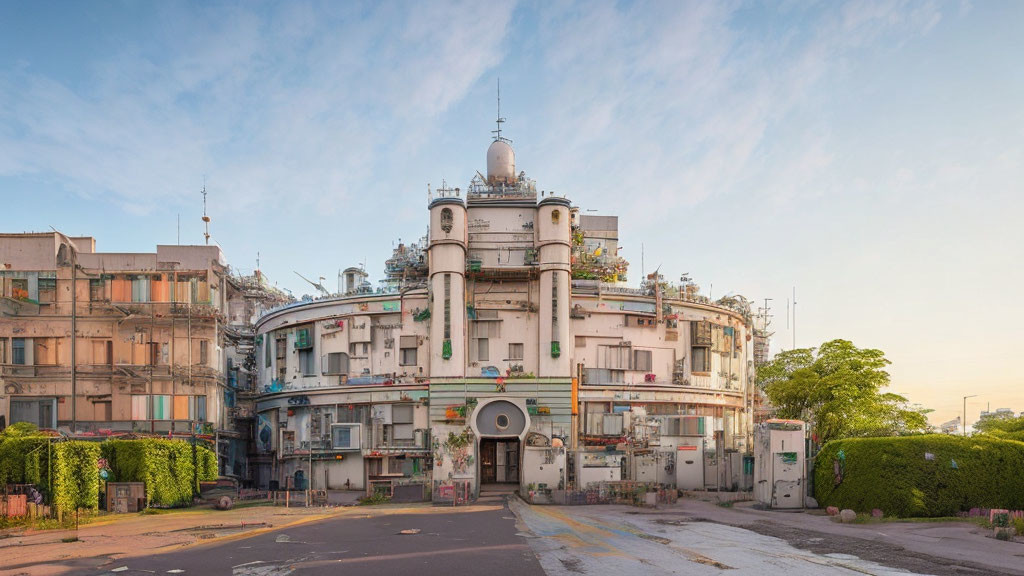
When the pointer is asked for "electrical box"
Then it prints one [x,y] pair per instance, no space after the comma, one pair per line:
[690,463]
[779,470]
[596,467]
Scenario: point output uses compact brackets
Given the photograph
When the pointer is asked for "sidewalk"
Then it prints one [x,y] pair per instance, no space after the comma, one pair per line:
[116,537]
[955,541]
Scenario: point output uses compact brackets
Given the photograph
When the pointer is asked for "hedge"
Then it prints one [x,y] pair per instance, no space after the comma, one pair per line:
[898,476]
[25,460]
[76,478]
[164,465]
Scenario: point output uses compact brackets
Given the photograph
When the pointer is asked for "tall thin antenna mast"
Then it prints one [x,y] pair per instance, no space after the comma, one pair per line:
[206,218]
[497,133]
[794,317]
[179,228]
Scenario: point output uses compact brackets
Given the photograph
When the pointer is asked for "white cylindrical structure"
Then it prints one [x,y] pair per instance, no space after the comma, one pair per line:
[501,163]
[553,236]
[448,236]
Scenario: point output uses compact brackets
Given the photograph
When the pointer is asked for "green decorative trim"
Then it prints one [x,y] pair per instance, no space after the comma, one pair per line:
[446,349]
[556,349]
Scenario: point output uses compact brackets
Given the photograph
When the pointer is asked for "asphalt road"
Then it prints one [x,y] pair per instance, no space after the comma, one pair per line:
[478,542]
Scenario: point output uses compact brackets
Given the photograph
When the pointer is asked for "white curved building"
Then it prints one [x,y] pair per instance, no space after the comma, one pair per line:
[517,344]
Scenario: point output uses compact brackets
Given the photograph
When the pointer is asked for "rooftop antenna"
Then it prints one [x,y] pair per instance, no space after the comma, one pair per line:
[206,218]
[497,133]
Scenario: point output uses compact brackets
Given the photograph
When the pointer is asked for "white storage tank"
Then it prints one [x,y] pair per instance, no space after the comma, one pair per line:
[779,478]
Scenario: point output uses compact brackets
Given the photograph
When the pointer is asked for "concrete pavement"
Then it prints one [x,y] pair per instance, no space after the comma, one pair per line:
[464,540]
[612,540]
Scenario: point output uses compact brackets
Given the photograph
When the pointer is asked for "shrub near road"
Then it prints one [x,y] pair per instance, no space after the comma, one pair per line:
[933,475]
[164,465]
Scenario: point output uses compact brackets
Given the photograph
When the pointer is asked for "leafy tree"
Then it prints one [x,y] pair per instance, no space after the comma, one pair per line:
[1001,426]
[837,389]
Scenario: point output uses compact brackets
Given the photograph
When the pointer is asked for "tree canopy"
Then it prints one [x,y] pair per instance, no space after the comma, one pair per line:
[1002,427]
[838,389]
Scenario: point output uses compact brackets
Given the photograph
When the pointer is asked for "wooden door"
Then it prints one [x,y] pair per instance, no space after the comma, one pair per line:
[488,462]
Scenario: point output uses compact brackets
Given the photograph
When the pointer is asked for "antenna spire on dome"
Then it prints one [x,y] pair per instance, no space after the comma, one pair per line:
[497,133]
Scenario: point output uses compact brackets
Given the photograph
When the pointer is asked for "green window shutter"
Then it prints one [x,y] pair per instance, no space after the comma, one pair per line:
[302,339]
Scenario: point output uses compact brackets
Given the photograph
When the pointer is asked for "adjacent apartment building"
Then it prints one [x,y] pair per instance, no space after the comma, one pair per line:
[99,343]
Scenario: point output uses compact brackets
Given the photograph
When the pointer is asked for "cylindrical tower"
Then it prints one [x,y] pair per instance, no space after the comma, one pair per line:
[553,238]
[448,236]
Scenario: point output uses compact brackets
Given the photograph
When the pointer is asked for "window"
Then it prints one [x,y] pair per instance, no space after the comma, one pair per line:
[402,418]
[38,411]
[303,339]
[19,288]
[642,360]
[483,349]
[140,289]
[614,357]
[700,333]
[200,409]
[345,436]
[204,351]
[97,290]
[407,357]
[447,220]
[3,350]
[701,361]
[306,365]
[161,407]
[357,350]
[408,346]
[266,351]
[47,290]
[336,363]
[140,407]
[183,408]
[17,351]
[515,351]
[102,352]
[581,341]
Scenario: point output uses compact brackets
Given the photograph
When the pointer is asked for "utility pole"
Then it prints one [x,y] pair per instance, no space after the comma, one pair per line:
[965,412]
[74,338]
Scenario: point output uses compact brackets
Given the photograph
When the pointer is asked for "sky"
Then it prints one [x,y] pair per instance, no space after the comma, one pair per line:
[868,154]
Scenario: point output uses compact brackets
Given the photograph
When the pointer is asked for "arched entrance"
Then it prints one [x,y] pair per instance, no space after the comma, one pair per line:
[500,425]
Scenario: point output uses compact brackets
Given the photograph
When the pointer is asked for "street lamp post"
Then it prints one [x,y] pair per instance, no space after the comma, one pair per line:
[965,412]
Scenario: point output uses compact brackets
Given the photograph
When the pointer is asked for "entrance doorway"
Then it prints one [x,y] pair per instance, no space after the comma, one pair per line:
[499,461]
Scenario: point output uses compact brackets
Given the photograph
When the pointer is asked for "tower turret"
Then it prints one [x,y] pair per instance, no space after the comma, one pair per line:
[448,237]
[554,241]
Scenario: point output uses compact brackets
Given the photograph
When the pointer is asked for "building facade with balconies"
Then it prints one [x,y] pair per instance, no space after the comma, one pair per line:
[506,343]
[95,343]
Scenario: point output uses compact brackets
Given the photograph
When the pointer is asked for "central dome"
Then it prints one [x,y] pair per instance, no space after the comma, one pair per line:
[501,162]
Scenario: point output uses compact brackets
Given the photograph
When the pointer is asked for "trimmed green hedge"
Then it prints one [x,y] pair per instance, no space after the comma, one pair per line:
[1018,435]
[164,465]
[894,475]
[76,478]
[24,460]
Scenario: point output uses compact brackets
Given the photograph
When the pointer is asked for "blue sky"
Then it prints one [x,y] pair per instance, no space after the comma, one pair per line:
[868,153]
